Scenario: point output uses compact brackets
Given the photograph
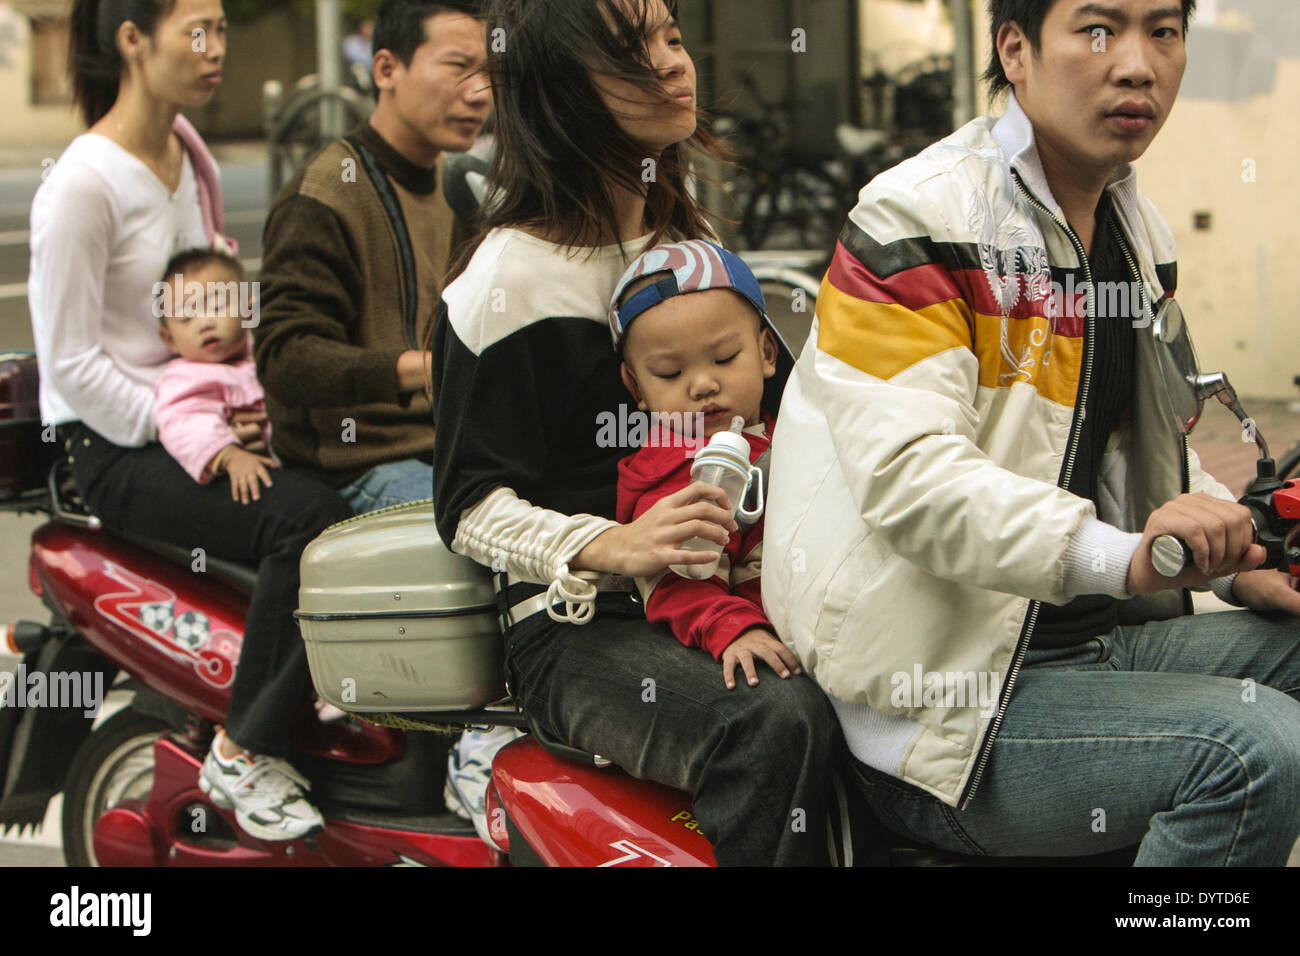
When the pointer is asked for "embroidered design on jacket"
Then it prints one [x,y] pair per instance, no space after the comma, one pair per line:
[1015,264]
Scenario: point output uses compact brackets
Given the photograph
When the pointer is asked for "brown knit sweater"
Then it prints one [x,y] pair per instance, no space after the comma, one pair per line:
[333,310]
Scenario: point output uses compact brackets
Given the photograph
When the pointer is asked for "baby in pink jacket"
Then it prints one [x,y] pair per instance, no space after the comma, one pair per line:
[198,303]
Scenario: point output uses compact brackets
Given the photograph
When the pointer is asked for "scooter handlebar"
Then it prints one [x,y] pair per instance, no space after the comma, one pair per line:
[1170,555]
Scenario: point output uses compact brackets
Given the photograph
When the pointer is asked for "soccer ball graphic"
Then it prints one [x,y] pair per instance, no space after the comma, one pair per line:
[191,630]
[157,617]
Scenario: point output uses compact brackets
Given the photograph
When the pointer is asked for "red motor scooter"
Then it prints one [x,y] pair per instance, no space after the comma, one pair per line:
[132,614]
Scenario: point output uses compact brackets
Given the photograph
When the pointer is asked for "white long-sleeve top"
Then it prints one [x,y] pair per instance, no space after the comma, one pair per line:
[103,228]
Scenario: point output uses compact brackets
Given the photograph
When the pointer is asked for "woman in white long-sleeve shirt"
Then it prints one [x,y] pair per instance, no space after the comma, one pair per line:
[136,188]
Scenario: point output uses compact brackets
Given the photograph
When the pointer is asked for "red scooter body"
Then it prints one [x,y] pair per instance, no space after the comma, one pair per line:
[106,589]
[563,811]
[127,603]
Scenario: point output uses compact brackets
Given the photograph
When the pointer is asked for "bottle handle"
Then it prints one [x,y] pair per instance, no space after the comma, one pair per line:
[750,516]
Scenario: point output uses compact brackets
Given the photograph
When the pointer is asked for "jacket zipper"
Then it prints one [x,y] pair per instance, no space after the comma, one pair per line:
[1072,451]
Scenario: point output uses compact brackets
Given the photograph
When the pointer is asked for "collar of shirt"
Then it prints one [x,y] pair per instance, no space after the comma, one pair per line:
[1015,135]
[412,178]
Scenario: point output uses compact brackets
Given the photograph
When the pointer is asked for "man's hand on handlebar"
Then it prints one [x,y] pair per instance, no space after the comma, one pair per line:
[1218,532]
[653,541]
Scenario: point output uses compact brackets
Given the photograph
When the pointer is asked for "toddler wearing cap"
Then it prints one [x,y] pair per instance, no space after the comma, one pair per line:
[701,351]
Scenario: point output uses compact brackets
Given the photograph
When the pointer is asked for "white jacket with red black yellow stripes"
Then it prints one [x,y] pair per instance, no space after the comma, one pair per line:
[914,514]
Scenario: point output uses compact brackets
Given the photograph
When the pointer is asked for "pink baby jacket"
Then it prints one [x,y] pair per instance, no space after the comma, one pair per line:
[193,402]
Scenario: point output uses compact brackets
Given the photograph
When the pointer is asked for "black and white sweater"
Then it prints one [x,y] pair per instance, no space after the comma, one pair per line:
[524,370]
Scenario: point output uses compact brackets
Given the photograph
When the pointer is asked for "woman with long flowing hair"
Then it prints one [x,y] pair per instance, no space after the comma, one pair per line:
[595,115]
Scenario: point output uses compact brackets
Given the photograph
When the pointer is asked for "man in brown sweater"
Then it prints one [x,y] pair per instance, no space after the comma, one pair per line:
[355,252]
[356,247]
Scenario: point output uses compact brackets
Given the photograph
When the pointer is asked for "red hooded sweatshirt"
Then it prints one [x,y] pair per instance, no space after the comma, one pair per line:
[706,614]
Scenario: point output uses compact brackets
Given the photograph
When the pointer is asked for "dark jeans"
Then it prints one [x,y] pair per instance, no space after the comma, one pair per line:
[753,758]
[144,491]
[1181,735]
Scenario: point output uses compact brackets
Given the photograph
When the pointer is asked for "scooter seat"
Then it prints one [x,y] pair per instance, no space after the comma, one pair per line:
[242,577]
[904,852]
[66,504]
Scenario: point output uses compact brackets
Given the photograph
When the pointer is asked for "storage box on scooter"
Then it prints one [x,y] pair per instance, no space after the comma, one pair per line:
[25,459]
[394,621]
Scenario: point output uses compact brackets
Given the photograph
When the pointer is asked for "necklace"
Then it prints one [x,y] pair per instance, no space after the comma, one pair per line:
[165,172]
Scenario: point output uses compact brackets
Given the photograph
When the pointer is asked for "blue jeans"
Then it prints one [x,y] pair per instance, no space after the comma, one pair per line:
[1180,735]
[394,483]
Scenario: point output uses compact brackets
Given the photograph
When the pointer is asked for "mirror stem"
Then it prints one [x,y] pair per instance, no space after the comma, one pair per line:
[1228,396]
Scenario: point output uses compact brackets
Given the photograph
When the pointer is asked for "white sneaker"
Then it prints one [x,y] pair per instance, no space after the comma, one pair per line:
[469,770]
[266,793]
[327,713]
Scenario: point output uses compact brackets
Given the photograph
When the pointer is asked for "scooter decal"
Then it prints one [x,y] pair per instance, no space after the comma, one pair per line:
[632,852]
[149,611]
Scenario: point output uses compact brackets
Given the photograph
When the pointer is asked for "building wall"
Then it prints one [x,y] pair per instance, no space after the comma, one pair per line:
[1229,149]
[897,32]
[278,46]
[21,123]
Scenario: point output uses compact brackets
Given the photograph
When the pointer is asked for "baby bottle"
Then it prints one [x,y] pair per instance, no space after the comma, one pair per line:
[724,462]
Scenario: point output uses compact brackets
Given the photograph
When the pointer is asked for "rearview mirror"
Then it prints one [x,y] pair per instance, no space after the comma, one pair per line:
[1178,366]
[1186,387]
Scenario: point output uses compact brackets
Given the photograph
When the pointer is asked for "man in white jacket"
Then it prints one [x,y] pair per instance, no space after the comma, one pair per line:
[974,457]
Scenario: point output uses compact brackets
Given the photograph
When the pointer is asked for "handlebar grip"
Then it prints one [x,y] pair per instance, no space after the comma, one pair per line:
[1170,556]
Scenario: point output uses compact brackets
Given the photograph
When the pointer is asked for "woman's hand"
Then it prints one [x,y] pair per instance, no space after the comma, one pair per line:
[654,541]
[757,644]
[248,427]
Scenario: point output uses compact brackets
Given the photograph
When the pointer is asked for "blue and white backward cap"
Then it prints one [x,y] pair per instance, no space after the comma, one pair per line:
[695,266]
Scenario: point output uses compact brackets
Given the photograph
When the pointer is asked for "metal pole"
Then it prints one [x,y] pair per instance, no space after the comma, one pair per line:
[963,64]
[329,65]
